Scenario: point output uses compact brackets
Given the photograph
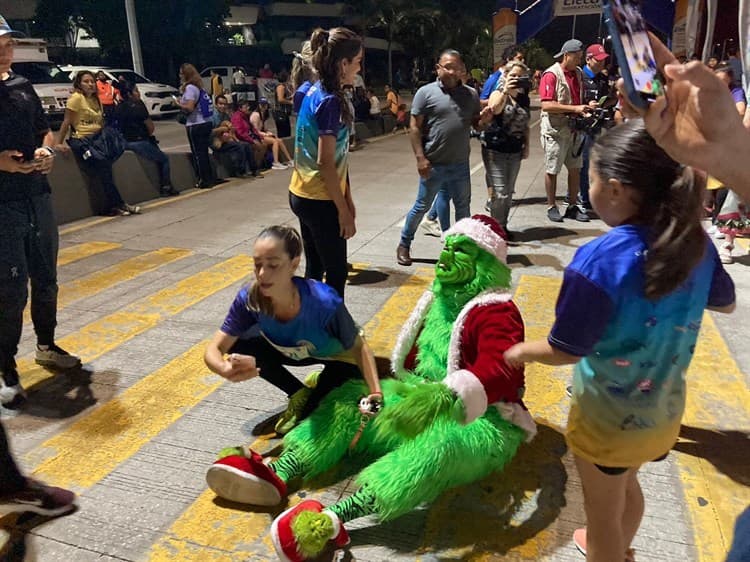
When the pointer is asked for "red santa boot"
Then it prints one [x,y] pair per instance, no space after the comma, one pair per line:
[245,479]
[303,531]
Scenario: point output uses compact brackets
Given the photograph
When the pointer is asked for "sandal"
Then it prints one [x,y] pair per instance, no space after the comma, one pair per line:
[579,539]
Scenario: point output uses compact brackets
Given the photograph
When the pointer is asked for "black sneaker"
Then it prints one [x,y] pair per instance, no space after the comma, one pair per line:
[39,498]
[57,357]
[12,394]
[577,212]
[168,191]
[553,214]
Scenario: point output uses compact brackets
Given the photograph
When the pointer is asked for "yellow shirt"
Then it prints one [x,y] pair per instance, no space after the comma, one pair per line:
[89,117]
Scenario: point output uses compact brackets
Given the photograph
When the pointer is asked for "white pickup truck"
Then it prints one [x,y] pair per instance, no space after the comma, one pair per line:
[51,83]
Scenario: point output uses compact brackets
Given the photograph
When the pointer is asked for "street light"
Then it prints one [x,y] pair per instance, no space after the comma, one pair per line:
[135,43]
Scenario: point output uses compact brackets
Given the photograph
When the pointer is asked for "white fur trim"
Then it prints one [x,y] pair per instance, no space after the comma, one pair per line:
[336,522]
[517,415]
[469,389]
[491,296]
[483,235]
[409,332]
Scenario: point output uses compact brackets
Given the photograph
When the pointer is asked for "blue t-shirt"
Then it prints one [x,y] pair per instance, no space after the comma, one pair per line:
[490,85]
[629,388]
[319,115]
[299,95]
[323,329]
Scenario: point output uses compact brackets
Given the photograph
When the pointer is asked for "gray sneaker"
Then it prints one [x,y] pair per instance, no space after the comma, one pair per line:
[553,214]
[56,357]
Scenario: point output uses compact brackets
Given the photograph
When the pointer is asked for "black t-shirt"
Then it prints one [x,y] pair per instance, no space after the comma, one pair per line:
[132,115]
[22,127]
[594,88]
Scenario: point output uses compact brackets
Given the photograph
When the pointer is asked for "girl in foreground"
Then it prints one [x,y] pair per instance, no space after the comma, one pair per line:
[638,292]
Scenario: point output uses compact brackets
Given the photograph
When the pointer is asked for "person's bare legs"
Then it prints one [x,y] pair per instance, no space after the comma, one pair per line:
[550,186]
[274,149]
[284,150]
[604,500]
[634,506]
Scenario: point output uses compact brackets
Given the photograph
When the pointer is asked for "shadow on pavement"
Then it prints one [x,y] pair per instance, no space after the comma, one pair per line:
[727,450]
[18,526]
[492,516]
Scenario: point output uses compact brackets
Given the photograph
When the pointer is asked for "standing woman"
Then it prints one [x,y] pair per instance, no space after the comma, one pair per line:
[196,104]
[283,106]
[506,141]
[84,120]
[320,194]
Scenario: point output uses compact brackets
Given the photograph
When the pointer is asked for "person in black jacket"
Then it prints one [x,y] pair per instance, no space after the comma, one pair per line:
[138,129]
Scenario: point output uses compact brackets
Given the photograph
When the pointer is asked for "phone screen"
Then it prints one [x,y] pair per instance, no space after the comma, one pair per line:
[632,31]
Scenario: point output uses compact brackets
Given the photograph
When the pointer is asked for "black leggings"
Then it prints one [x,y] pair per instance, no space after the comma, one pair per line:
[272,362]
[199,137]
[325,249]
[11,479]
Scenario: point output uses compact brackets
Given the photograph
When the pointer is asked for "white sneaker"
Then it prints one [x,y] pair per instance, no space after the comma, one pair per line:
[278,166]
[57,357]
[719,235]
[725,254]
[12,393]
[431,228]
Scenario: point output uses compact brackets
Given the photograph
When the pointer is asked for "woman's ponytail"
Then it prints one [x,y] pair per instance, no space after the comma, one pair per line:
[669,200]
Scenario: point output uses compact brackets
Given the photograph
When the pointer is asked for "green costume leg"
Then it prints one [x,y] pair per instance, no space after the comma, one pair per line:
[446,455]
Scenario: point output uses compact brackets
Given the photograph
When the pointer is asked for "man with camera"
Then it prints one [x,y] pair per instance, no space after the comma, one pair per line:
[562,97]
[595,89]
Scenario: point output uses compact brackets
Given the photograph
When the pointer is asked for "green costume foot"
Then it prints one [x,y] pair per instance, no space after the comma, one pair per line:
[311,380]
[291,415]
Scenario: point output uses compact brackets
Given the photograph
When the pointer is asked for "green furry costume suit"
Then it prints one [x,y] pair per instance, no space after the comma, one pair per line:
[434,346]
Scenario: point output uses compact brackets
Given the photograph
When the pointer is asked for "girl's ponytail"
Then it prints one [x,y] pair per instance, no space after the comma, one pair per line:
[669,200]
[329,48]
[678,242]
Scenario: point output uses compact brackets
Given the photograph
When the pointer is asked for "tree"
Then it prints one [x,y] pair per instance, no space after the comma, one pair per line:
[171,31]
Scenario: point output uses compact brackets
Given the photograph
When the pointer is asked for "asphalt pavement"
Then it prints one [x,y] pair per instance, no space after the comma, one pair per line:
[134,430]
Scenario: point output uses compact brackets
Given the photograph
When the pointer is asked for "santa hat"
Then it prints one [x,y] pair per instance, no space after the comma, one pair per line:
[486,232]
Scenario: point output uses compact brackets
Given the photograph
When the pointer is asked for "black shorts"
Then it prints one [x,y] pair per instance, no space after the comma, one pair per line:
[617,470]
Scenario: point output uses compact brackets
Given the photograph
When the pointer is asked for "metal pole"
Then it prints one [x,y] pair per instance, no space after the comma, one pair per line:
[573,32]
[135,42]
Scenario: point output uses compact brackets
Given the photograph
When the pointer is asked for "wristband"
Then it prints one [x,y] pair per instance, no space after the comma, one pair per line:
[49,149]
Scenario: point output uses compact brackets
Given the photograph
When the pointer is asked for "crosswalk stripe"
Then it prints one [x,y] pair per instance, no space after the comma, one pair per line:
[111,331]
[714,465]
[230,532]
[85,250]
[104,279]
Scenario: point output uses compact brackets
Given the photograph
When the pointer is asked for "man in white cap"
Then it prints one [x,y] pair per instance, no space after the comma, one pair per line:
[28,251]
[561,95]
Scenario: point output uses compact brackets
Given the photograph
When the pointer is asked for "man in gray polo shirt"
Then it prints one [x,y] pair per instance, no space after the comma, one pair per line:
[441,115]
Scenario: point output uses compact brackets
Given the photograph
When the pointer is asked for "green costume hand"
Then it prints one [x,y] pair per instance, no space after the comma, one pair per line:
[421,407]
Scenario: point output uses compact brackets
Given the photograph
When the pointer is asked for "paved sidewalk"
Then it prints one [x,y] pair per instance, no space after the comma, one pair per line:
[134,431]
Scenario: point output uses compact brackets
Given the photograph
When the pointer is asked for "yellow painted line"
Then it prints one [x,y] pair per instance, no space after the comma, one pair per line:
[85,250]
[209,532]
[85,224]
[716,425]
[743,243]
[109,277]
[109,332]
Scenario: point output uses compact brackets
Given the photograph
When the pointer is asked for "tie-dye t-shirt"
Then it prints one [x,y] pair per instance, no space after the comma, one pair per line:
[319,115]
[629,386]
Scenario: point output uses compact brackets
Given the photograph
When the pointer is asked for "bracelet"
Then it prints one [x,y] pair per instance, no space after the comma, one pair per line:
[51,151]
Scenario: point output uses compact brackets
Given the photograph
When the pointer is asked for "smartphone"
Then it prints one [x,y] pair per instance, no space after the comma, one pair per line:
[524,82]
[632,47]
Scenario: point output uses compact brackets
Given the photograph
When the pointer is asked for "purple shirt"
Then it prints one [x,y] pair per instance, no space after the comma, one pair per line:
[738,95]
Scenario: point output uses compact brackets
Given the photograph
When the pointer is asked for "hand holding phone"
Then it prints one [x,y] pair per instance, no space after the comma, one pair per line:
[633,50]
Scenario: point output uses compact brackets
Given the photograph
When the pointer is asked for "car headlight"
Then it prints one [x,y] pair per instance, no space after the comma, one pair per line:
[48,100]
[152,94]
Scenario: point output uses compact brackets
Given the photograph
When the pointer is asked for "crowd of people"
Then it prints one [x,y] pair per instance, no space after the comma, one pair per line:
[455,412]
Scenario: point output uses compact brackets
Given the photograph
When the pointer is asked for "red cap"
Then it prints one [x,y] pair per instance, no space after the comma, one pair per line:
[597,51]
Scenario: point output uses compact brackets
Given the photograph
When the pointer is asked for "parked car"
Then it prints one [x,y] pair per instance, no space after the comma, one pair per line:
[50,82]
[157,97]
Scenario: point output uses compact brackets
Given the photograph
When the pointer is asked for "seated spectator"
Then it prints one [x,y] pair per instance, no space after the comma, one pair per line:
[240,156]
[402,119]
[266,71]
[393,100]
[258,120]
[246,132]
[138,129]
[361,105]
[84,120]
[376,112]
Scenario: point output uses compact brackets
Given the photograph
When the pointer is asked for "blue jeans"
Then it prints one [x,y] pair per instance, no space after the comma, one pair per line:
[151,151]
[455,180]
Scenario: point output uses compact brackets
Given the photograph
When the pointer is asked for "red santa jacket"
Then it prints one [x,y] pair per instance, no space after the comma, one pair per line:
[477,372]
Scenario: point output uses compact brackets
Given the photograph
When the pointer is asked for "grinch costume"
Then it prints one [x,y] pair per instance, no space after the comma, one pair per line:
[452,415]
